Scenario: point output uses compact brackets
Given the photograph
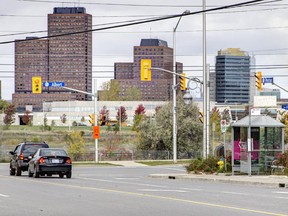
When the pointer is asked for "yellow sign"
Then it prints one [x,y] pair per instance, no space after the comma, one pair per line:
[145,71]
[36,85]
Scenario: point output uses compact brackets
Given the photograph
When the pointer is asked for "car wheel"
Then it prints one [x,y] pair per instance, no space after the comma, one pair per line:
[12,171]
[18,171]
[68,174]
[36,174]
[30,174]
[49,175]
[61,175]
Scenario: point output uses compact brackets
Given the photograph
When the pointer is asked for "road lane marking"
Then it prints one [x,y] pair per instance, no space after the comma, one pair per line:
[158,190]
[122,182]
[148,195]
[281,198]
[126,178]
[280,192]
[3,195]
[192,189]
[233,193]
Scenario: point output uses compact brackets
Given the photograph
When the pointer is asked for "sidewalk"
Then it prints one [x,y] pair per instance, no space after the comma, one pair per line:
[269,180]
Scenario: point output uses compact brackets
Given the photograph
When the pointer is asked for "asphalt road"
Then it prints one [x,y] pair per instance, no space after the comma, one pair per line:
[123,191]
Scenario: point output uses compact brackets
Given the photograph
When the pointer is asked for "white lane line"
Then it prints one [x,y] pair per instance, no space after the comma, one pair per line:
[234,193]
[3,195]
[126,178]
[122,182]
[281,198]
[280,192]
[157,190]
[191,189]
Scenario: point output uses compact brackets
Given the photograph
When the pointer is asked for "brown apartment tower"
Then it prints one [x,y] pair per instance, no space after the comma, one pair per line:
[127,74]
[63,57]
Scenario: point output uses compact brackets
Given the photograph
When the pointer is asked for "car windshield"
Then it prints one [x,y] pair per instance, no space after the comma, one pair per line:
[53,152]
[31,148]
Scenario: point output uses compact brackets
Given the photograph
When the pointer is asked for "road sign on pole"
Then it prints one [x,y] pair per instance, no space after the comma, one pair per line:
[96,132]
[267,80]
[223,126]
[53,84]
[284,106]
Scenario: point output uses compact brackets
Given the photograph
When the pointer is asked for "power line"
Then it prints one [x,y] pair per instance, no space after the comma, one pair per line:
[248,3]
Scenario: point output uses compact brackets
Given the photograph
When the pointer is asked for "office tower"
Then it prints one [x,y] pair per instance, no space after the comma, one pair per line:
[160,86]
[63,57]
[232,76]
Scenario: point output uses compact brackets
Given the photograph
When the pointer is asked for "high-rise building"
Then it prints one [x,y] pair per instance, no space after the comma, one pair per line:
[63,57]
[160,86]
[232,76]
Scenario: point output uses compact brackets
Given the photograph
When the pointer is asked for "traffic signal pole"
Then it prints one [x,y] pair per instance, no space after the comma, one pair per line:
[95,111]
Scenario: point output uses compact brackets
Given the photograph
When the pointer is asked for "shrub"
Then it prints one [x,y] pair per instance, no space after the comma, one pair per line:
[200,165]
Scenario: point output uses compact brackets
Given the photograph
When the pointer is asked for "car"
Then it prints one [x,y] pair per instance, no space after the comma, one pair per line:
[20,156]
[50,161]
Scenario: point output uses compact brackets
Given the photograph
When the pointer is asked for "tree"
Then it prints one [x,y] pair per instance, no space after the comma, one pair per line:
[215,119]
[104,115]
[63,118]
[9,117]
[76,144]
[121,114]
[3,105]
[133,94]
[111,90]
[27,118]
[138,117]
[158,135]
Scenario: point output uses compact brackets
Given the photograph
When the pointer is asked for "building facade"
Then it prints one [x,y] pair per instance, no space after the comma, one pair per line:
[63,57]
[232,76]
[160,86]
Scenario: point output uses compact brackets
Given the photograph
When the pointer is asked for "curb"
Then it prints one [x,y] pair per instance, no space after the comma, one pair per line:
[269,182]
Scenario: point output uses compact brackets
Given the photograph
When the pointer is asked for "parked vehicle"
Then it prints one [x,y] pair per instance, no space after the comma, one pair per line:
[20,156]
[52,161]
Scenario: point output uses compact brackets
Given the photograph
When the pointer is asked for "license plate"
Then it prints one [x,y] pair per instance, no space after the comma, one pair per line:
[55,160]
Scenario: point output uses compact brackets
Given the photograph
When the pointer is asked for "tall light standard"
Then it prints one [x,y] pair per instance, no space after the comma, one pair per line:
[174,90]
[205,93]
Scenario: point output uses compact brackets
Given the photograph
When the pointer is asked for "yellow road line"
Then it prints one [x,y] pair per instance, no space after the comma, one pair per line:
[151,196]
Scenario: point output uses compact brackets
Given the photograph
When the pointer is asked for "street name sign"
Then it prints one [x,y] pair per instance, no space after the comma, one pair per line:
[285,106]
[53,84]
[267,80]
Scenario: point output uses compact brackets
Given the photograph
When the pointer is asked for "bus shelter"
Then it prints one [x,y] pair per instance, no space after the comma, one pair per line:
[267,136]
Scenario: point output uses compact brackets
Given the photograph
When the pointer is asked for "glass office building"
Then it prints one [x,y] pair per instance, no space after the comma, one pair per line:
[232,76]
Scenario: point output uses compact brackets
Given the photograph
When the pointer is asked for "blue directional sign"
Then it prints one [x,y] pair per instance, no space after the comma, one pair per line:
[267,80]
[53,84]
[285,106]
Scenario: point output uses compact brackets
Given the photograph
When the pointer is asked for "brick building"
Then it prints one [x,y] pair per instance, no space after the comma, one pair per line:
[160,86]
[66,58]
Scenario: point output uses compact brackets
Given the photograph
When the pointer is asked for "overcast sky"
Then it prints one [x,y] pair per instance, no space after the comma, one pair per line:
[260,30]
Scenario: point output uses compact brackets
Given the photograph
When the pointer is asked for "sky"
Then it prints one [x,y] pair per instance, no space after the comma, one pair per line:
[261,30]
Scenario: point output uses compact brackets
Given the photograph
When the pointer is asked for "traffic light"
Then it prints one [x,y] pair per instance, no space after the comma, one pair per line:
[145,70]
[92,119]
[36,85]
[259,80]
[182,82]
[201,117]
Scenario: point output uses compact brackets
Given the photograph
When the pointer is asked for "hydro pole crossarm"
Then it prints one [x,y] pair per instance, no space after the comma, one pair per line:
[164,70]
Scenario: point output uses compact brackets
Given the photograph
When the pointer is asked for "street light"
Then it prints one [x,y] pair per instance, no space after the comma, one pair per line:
[174,90]
[187,97]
